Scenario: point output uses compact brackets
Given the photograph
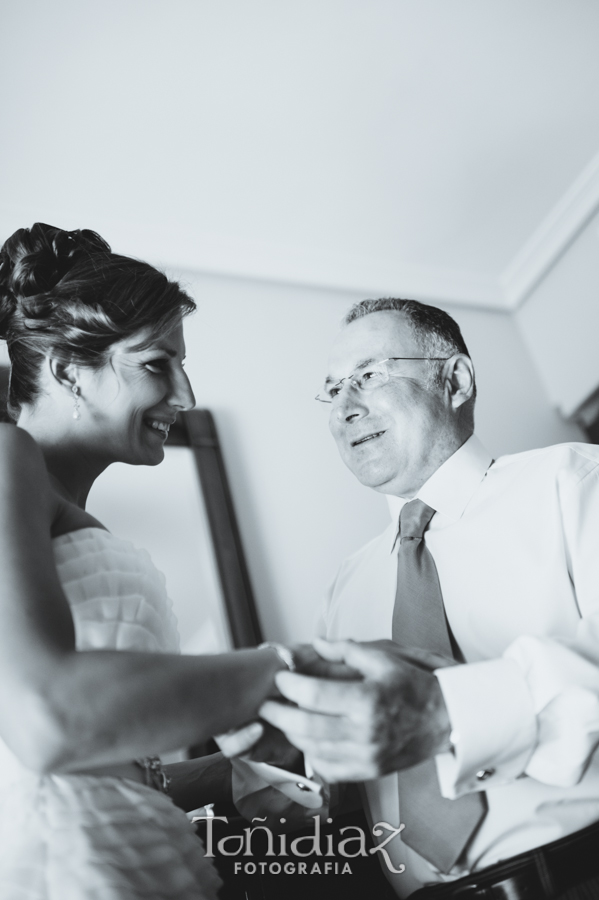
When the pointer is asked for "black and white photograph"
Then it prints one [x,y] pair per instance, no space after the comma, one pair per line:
[299,450]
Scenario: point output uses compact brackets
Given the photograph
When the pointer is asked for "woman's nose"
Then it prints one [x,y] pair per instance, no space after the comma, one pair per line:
[182,395]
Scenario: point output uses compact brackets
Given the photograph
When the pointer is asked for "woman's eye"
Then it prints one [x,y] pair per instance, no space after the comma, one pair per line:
[332,392]
[156,366]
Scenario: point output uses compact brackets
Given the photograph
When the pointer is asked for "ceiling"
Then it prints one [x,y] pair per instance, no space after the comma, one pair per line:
[444,150]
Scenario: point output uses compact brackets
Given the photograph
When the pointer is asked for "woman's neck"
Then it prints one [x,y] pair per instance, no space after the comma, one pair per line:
[71,466]
[72,471]
[75,495]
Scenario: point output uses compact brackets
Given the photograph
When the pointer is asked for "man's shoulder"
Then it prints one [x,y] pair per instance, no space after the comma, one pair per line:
[574,460]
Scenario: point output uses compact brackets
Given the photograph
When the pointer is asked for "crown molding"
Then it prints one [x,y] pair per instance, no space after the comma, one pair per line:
[178,249]
[336,272]
[552,237]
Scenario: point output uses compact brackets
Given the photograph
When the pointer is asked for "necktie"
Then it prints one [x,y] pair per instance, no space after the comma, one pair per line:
[437,828]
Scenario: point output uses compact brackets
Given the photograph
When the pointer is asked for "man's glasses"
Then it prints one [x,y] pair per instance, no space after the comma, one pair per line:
[370,377]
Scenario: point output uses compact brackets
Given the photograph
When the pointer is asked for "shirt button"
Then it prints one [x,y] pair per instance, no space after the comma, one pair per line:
[483,774]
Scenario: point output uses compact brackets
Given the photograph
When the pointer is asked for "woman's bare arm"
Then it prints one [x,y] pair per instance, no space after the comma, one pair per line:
[60,709]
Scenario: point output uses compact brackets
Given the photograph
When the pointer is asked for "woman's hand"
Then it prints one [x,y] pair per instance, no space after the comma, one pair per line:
[261,742]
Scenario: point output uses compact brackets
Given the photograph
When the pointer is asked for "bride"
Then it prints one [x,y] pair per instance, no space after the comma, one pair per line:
[86,809]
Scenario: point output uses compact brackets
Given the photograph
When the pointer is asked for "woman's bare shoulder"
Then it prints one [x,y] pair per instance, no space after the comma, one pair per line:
[23,474]
[19,452]
[25,481]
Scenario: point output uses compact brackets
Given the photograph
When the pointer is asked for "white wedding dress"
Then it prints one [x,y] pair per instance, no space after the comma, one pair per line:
[99,837]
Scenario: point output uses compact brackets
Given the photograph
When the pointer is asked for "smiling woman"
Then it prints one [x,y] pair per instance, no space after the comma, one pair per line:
[68,293]
[96,348]
[71,306]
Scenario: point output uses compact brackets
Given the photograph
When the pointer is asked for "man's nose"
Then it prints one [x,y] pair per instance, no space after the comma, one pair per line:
[349,403]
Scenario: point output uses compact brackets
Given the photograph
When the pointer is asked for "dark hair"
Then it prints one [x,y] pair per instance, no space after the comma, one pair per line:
[434,330]
[65,294]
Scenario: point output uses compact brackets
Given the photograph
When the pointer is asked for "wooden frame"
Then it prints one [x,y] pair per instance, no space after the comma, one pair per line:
[196,429]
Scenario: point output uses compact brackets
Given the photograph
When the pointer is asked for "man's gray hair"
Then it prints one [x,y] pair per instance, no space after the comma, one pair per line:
[434,330]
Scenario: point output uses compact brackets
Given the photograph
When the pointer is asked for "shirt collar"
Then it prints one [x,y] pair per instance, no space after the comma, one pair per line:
[452,486]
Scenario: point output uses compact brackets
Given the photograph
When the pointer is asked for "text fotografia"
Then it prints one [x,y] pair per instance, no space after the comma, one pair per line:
[349,847]
[292,868]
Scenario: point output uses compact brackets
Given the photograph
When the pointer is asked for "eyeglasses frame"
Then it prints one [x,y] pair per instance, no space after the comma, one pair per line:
[391,374]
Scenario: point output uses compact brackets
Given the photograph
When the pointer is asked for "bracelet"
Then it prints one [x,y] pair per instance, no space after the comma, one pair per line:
[154,774]
[283,652]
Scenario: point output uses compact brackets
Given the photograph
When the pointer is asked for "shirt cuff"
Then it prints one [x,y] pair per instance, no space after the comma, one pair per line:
[493,726]
[250,777]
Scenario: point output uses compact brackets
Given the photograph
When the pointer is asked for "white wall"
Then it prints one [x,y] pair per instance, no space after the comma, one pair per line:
[513,410]
[256,357]
[560,322]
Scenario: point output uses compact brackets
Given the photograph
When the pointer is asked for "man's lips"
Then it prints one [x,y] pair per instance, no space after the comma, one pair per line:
[367,437]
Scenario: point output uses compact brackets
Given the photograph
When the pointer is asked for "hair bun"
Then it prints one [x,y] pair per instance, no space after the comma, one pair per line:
[33,261]
[40,256]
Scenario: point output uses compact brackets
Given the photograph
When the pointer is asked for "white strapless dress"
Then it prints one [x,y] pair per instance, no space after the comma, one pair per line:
[84,837]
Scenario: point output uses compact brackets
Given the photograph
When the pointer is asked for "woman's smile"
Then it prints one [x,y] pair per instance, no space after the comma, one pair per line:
[158,426]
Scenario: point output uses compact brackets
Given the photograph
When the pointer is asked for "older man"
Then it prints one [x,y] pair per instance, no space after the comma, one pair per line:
[477,727]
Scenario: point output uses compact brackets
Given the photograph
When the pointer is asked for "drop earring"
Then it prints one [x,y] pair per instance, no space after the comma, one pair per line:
[76,410]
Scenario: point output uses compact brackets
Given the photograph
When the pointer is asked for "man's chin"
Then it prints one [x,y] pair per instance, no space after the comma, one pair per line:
[377,481]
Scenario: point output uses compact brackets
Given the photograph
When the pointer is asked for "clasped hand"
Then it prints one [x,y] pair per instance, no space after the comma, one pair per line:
[356,710]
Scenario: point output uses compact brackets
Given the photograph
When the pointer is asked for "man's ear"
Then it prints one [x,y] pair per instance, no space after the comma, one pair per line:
[459,379]
[64,373]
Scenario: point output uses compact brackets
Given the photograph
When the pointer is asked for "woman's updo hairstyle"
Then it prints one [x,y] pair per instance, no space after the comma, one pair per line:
[65,294]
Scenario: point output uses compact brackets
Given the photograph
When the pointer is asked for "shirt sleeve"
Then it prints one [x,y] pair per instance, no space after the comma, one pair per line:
[535,711]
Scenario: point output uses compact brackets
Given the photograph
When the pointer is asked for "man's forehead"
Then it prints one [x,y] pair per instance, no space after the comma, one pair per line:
[374,336]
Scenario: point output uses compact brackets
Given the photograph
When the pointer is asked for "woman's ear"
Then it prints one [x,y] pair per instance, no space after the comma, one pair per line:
[64,373]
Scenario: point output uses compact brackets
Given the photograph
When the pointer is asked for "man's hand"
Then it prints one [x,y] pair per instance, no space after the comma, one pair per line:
[391,719]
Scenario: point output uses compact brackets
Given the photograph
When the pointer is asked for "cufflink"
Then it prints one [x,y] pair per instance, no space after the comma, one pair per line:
[483,774]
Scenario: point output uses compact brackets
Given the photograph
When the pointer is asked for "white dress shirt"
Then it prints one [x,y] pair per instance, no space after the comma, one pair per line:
[516,545]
